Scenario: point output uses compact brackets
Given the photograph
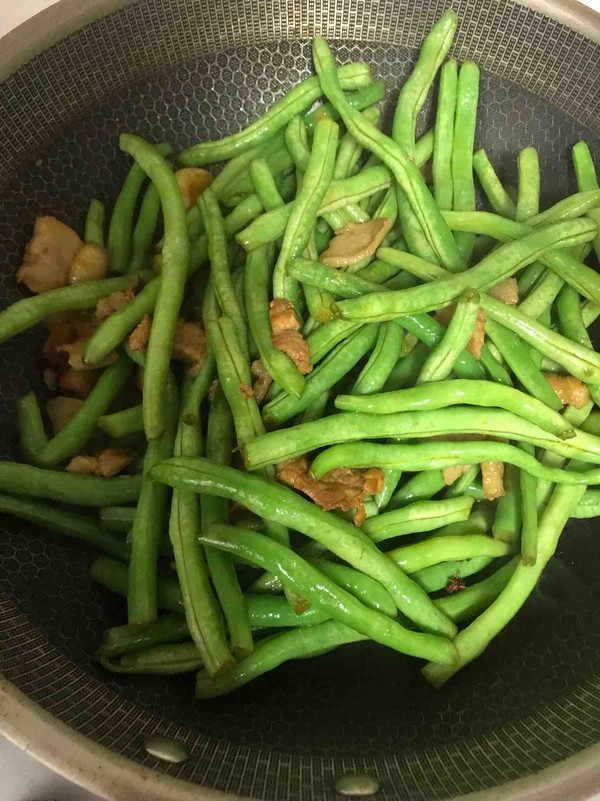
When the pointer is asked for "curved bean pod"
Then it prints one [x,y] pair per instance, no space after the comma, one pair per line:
[440,549]
[384,356]
[587,181]
[467,96]
[500,200]
[466,604]
[417,517]
[443,190]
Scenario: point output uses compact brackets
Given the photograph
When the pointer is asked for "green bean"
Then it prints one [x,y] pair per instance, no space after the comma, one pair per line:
[495,192]
[588,506]
[425,456]
[421,487]
[167,629]
[324,594]
[301,98]
[121,424]
[274,502]
[77,526]
[466,604]
[473,640]
[24,314]
[144,229]
[405,171]
[281,368]
[326,337]
[271,611]
[349,150]
[507,520]
[378,272]
[587,181]
[529,531]
[162,660]
[583,278]
[441,394]
[508,259]
[570,318]
[391,479]
[367,96]
[415,89]
[436,577]
[296,140]
[201,609]
[270,653]
[318,301]
[142,603]
[55,485]
[580,361]
[467,95]
[220,269]
[443,189]
[316,410]
[32,434]
[478,522]
[590,312]
[417,517]
[235,172]
[518,357]
[542,296]
[440,549]
[117,518]
[494,367]
[463,485]
[440,362]
[529,278]
[264,184]
[175,258]
[219,442]
[384,356]
[424,148]
[94,223]
[306,205]
[365,588]
[73,437]
[528,199]
[325,375]
[407,368]
[119,229]
[199,389]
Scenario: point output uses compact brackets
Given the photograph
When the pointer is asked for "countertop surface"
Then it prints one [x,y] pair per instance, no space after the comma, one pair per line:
[23,778]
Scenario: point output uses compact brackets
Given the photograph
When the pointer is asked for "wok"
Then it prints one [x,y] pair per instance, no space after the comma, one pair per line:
[521,722]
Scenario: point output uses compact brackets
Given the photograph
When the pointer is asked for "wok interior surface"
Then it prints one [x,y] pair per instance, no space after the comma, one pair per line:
[532,699]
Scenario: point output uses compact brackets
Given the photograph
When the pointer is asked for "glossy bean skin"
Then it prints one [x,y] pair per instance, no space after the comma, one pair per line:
[427,456]
[588,506]
[417,517]
[405,171]
[420,487]
[500,201]
[277,446]
[440,549]
[264,184]
[469,602]
[443,188]
[467,96]
[322,593]
[300,99]
[528,199]
[279,503]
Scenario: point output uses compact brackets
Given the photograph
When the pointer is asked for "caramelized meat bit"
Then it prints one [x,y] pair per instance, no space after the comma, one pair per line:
[342,488]
[66,330]
[246,391]
[263,380]
[451,474]
[108,463]
[138,339]
[570,390]
[192,182]
[115,301]
[60,410]
[475,345]
[507,292]
[78,382]
[90,264]
[189,345]
[355,242]
[49,255]
[293,344]
[492,474]
[455,584]
[282,316]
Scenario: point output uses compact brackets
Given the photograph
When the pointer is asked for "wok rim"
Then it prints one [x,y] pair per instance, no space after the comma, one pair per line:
[94,767]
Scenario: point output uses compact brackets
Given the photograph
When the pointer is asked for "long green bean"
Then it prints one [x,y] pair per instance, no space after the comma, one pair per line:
[384,356]
[528,199]
[123,423]
[443,189]
[440,549]
[145,227]
[499,199]
[440,362]
[464,605]
[467,96]
[587,181]
[417,517]
[94,223]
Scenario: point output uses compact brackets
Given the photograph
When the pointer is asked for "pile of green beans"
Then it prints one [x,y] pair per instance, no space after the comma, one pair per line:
[222,569]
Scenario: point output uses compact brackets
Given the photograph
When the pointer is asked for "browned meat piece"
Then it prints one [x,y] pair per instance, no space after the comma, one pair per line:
[138,339]
[189,345]
[108,463]
[451,474]
[355,242]
[342,488]
[49,255]
[78,382]
[507,292]
[114,302]
[282,316]
[456,584]
[51,380]
[296,347]
[60,410]
[192,182]
[475,345]
[263,380]
[75,353]
[570,390]
[247,391]
[90,264]
[492,474]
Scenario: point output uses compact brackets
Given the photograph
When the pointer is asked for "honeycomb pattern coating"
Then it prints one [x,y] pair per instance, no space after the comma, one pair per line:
[529,701]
